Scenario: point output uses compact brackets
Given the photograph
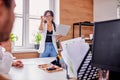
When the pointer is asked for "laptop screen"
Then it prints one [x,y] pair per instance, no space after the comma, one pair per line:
[106,45]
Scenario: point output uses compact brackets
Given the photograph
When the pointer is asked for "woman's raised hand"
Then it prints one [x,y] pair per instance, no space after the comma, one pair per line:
[42,18]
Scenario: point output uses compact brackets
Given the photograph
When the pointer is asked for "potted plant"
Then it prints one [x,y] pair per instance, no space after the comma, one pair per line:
[13,38]
[37,40]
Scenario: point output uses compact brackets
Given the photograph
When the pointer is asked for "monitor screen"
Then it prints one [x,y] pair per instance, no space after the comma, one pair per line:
[106,45]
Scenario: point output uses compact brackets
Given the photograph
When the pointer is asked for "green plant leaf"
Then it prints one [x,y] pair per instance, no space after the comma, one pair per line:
[37,37]
[13,37]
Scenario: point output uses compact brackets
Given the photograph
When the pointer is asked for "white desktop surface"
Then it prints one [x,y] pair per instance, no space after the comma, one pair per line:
[30,71]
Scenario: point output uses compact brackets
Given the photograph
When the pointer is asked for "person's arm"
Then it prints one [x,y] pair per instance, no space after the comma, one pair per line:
[41,24]
[5,60]
[4,77]
[58,37]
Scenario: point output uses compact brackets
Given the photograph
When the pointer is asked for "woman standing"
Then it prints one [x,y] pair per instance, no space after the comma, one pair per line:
[48,47]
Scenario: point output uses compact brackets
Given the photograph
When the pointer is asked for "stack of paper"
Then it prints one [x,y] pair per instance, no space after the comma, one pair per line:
[73,53]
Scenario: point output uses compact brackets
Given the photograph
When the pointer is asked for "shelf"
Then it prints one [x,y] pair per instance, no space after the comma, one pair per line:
[80,24]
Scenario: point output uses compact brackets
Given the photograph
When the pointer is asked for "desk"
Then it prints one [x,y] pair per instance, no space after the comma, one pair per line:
[32,72]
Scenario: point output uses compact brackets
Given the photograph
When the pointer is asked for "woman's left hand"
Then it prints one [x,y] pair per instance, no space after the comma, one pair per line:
[58,37]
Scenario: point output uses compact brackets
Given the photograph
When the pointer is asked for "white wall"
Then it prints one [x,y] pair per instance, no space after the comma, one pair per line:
[57,11]
[105,10]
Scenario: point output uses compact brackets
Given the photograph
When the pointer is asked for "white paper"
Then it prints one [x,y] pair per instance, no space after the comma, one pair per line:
[74,51]
[68,62]
[62,30]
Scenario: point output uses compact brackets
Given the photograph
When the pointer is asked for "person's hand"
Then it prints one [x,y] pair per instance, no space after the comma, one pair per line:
[42,19]
[18,64]
[58,37]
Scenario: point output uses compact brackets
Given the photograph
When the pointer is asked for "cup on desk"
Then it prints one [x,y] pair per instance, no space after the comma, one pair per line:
[91,36]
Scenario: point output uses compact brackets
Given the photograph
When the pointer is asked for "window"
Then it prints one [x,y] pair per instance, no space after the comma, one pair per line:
[27,20]
[18,30]
[18,24]
[34,15]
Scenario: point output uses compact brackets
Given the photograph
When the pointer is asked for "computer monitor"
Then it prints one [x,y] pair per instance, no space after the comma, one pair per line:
[106,45]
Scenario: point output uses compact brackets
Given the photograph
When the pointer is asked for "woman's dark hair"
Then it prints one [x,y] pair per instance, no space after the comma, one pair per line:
[7,3]
[49,11]
[52,14]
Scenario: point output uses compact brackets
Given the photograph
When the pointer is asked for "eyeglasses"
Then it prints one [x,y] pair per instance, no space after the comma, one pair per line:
[48,16]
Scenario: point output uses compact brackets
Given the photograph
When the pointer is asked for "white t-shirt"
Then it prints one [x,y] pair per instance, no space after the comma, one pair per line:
[6,59]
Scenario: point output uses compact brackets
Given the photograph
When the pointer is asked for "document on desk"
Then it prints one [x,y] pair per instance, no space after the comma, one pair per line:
[74,51]
[62,29]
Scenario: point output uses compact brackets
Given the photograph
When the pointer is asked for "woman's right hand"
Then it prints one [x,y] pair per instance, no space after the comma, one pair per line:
[42,19]
[41,23]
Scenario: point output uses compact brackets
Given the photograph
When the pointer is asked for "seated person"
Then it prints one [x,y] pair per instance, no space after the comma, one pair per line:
[6,24]
[6,59]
